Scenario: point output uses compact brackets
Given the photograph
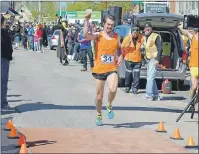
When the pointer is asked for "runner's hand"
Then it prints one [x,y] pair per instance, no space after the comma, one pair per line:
[88,14]
[119,61]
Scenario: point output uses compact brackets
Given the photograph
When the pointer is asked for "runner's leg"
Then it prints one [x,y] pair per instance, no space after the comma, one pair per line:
[100,91]
[112,84]
[112,81]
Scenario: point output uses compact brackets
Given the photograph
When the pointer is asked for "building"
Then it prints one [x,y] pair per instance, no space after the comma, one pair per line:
[25,13]
[5,5]
[184,7]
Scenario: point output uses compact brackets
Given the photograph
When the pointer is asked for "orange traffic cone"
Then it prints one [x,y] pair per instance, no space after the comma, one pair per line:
[191,143]
[23,149]
[13,133]
[161,128]
[21,141]
[176,135]
[9,125]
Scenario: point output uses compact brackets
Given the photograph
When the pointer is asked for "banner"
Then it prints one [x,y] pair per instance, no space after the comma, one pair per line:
[79,14]
[95,15]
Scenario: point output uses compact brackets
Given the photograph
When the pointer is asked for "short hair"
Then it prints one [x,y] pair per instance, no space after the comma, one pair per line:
[108,16]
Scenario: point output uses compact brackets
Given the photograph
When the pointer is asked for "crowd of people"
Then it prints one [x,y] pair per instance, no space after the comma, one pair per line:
[31,36]
[72,44]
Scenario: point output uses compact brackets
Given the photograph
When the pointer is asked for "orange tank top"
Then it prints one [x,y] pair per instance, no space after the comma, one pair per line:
[194,52]
[132,53]
[105,54]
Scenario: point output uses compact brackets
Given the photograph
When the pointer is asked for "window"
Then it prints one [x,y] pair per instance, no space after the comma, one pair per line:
[193,4]
[187,5]
[122,31]
[57,32]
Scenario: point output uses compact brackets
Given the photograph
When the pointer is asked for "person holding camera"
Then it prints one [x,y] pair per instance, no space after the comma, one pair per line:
[193,62]
[152,46]
[131,46]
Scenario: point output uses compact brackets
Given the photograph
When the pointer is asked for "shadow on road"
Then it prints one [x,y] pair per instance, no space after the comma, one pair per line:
[131,125]
[13,95]
[39,143]
[166,98]
[39,106]
[19,100]
[10,111]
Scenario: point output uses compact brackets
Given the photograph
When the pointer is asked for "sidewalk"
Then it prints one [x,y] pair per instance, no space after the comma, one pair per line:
[73,140]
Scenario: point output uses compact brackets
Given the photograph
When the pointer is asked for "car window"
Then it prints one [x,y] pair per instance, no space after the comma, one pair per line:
[57,32]
[122,31]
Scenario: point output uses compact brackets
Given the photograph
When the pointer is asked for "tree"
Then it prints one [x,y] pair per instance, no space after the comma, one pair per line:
[98,6]
[79,6]
[48,8]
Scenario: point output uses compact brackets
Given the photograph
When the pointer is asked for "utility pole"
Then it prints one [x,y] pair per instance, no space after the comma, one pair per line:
[106,5]
[39,11]
[60,8]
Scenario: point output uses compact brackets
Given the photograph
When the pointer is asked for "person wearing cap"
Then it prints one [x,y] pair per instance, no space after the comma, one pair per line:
[131,47]
[152,46]
[193,62]
[6,57]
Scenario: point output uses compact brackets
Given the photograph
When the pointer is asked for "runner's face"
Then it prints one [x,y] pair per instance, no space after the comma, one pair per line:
[109,25]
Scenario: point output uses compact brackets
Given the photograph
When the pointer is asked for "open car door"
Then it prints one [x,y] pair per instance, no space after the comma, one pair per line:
[159,20]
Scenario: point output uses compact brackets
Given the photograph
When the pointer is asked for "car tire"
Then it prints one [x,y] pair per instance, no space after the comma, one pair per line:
[121,82]
[51,48]
[178,85]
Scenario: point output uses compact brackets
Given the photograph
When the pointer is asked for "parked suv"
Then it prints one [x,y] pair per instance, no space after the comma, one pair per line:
[166,25]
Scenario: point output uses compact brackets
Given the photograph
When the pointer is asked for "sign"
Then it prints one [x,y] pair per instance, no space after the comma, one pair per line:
[155,8]
[95,15]
[70,14]
[137,2]
[79,14]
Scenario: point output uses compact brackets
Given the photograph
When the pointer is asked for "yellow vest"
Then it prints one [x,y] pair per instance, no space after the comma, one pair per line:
[150,47]
[185,40]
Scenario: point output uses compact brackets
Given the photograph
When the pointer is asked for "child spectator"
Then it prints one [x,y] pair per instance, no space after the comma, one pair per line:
[36,41]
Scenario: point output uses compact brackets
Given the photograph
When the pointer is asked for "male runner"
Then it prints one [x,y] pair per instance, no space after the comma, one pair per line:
[105,67]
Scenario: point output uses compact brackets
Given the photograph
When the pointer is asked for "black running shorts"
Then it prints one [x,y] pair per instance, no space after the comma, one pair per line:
[102,76]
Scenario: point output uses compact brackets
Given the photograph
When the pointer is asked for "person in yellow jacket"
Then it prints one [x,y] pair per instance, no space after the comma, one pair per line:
[152,46]
[132,55]
[193,62]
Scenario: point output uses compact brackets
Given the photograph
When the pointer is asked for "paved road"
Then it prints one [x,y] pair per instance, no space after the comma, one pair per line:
[49,95]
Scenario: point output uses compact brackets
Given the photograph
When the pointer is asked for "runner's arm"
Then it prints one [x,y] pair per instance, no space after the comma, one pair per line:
[120,53]
[89,36]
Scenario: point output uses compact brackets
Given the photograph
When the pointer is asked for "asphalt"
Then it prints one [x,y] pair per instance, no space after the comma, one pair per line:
[7,145]
[47,94]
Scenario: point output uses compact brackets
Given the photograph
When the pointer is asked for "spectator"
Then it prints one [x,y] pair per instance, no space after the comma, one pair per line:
[86,48]
[6,57]
[17,35]
[40,38]
[31,37]
[36,41]
[45,41]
